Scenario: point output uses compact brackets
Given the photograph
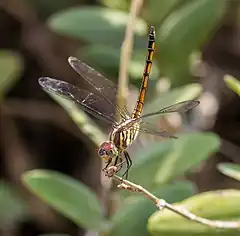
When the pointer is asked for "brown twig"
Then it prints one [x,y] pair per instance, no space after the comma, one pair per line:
[161,204]
[126,51]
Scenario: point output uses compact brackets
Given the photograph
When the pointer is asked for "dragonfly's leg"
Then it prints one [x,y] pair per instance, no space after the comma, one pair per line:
[120,164]
[116,161]
[107,165]
[129,163]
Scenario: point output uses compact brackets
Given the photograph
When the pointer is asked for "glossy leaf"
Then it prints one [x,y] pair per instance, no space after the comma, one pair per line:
[68,196]
[232,83]
[10,66]
[230,169]
[214,205]
[157,10]
[131,218]
[97,25]
[187,152]
[186,30]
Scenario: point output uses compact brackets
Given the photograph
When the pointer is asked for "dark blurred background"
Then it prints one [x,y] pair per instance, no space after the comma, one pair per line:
[38,133]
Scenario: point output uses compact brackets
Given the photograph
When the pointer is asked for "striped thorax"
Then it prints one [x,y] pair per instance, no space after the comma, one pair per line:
[124,134]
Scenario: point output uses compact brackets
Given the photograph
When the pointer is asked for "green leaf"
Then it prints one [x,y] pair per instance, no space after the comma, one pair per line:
[106,60]
[147,162]
[157,10]
[131,218]
[230,169]
[10,66]
[188,92]
[215,205]
[232,83]
[101,25]
[187,152]
[186,30]
[13,208]
[68,196]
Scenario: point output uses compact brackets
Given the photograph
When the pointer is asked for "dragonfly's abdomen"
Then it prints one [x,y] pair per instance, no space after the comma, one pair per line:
[124,138]
[151,47]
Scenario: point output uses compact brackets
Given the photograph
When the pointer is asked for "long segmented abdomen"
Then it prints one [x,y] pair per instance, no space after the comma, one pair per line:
[151,47]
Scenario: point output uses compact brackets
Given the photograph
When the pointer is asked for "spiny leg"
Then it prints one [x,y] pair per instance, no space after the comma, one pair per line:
[107,165]
[120,164]
[116,161]
[129,163]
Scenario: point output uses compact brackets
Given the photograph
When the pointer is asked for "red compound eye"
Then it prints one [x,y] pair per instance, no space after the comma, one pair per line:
[107,146]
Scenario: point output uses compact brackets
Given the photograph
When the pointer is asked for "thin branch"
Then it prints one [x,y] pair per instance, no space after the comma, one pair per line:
[126,51]
[161,204]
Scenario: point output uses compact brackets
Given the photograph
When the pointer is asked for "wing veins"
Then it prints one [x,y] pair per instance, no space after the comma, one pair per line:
[178,107]
[62,89]
[80,66]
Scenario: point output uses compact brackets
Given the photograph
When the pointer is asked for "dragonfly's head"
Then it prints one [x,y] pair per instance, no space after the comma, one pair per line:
[108,151]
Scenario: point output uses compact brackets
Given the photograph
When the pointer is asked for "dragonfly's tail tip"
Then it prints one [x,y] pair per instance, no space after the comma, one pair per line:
[152,28]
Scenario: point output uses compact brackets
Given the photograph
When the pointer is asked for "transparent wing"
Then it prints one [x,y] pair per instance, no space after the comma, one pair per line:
[180,107]
[151,129]
[147,126]
[102,86]
[90,102]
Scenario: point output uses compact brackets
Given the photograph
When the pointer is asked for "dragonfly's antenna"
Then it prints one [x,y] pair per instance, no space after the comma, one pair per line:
[151,47]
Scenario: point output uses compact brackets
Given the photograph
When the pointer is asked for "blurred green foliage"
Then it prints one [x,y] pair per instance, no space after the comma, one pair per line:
[182,27]
[230,169]
[10,67]
[12,206]
[185,30]
[233,83]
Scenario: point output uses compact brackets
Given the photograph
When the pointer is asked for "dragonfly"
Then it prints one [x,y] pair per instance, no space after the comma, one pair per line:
[100,101]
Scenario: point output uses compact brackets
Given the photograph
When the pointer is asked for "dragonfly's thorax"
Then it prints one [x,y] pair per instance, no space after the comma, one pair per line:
[124,134]
[108,151]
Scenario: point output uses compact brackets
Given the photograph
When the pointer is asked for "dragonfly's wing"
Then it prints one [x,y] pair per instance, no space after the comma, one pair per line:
[148,128]
[146,123]
[151,129]
[102,86]
[92,103]
[180,107]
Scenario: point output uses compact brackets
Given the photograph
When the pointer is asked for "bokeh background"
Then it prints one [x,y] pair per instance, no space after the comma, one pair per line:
[197,45]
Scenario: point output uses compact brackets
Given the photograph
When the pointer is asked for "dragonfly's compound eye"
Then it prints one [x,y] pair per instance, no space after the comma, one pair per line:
[101,152]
